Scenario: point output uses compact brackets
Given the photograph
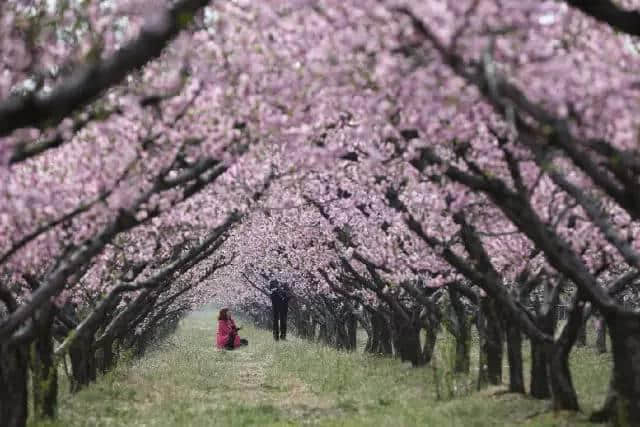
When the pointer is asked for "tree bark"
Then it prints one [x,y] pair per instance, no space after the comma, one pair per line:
[352,330]
[493,343]
[408,343]
[622,406]
[563,393]
[514,354]
[83,363]
[430,343]
[582,335]
[539,387]
[483,379]
[44,372]
[108,356]
[546,321]
[462,334]
[381,342]
[601,335]
[13,385]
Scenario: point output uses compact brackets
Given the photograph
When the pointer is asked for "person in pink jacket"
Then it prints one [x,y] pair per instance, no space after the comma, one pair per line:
[227,336]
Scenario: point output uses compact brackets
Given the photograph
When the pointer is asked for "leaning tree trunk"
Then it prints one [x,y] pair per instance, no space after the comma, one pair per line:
[44,372]
[622,406]
[13,385]
[563,393]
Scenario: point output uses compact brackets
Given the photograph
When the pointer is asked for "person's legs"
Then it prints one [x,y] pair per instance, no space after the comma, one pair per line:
[276,330]
[283,319]
[230,340]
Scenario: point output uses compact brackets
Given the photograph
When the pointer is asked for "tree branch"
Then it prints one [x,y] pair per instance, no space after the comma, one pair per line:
[89,81]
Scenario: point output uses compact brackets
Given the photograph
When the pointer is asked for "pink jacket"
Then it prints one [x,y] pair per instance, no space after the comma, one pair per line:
[226,328]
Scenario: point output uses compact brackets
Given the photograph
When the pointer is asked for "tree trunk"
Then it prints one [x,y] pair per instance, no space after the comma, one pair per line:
[601,335]
[340,335]
[622,406]
[13,386]
[44,372]
[483,379]
[493,342]
[546,322]
[381,342]
[108,356]
[325,332]
[369,344]
[462,334]
[539,387]
[352,332]
[582,335]
[83,363]
[408,344]
[430,343]
[563,393]
[463,349]
[514,353]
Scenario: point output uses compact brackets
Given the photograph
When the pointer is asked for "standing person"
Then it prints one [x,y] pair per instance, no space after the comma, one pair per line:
[227,336]
[280,306]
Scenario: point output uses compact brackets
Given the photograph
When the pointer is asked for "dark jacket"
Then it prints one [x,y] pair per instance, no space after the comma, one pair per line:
[279,292]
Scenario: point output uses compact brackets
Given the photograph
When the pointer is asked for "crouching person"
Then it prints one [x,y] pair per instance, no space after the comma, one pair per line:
[227,336]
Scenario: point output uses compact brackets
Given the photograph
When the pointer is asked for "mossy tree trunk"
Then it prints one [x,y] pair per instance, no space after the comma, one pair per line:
[44,371]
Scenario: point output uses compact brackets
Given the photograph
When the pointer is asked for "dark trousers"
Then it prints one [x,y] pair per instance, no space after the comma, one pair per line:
[280,309]
[232,338]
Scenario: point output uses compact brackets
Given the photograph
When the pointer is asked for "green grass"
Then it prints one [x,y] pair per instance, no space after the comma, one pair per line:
[186,381]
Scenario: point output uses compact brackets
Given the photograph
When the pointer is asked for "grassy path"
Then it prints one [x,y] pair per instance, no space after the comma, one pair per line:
[188,382]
